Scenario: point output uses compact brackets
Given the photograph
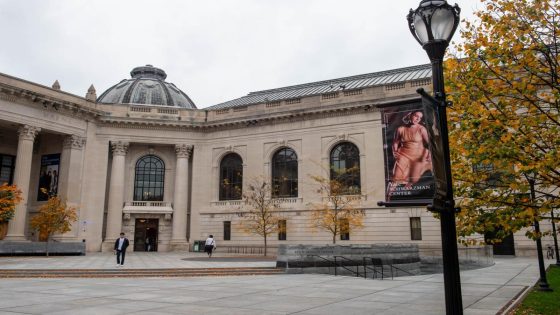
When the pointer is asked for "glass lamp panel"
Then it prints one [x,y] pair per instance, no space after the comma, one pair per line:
[420,28]
[442,23]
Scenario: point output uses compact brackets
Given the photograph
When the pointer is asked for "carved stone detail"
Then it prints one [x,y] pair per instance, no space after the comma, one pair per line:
[343,136]
[27,132]
[74,142]
[126,216]
[229,148]
[119,147]
[168,216]
[183,150]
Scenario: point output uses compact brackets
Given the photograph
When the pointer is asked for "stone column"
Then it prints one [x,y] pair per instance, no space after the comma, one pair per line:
[116,193]
[70,176]
[22,174]
[180,198]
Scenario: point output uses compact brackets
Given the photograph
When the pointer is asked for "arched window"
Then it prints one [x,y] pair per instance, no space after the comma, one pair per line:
[284,173]
[149,178]
[345,167]
[231,177]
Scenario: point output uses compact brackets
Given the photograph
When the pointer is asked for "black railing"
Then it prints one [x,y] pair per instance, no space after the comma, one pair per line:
[377,266]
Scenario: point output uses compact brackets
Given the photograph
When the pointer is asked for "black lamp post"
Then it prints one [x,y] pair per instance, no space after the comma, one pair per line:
[555,237]
[543,284]
[433,24]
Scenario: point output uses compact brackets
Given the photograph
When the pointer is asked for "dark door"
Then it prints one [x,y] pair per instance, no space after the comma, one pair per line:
[146,235]
[506,247]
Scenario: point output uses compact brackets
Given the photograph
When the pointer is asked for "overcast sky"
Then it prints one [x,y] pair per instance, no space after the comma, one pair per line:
[215,50]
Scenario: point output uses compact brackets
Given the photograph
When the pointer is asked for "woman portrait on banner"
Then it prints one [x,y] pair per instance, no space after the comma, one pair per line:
[410,151]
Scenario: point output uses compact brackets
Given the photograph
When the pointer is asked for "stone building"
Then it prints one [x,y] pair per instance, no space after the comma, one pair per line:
[142,159]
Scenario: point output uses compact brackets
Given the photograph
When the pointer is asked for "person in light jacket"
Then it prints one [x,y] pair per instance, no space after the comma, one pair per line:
[210,245]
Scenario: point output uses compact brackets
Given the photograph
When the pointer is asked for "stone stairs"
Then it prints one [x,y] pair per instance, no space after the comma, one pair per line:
[137,273]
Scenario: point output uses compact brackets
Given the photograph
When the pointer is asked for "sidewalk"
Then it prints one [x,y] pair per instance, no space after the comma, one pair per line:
[133,260]
[485,291]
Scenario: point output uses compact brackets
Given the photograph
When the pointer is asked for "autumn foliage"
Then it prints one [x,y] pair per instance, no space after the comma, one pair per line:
[10,196]
[337,213]
[261,215]
[504,123]
[55,216]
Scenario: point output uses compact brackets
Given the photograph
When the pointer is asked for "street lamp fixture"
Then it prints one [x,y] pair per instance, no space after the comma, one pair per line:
[433,24]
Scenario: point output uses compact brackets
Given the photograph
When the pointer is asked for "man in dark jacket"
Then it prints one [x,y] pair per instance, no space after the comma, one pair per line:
[120,249]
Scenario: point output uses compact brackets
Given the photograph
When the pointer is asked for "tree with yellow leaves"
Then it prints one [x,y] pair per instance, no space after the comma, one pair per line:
[10,196]
[504,122]
[55,216]
[261,215]
[337,213]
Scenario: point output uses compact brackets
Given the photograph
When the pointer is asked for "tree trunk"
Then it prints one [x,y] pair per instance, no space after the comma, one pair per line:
[334,238]
[265,245]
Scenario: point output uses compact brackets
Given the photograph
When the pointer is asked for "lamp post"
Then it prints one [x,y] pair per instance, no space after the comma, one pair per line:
[433,24]
[555,237]
[543,284]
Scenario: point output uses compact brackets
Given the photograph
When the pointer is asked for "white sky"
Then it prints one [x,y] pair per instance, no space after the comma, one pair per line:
[215,50]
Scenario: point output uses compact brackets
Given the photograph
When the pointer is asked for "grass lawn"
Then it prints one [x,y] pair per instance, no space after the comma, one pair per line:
[543,303]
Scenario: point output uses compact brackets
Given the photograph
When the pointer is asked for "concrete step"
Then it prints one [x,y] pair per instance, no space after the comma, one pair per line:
[123,272]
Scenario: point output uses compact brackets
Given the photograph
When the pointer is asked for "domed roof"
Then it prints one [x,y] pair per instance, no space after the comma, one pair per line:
[147,87]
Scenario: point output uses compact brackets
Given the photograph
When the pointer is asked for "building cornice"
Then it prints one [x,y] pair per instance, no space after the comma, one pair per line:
[29,97]
[337,110]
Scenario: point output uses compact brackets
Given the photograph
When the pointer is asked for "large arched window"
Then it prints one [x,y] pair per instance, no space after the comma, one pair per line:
[149,178]
[345,167]
[284,173]
[231,177]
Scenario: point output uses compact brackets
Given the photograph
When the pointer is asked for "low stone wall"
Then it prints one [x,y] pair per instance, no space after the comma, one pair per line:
[472,257]
[9,248]
[320,259]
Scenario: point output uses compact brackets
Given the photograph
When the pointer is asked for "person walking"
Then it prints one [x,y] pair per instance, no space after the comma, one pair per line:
[210,245]
[120,249]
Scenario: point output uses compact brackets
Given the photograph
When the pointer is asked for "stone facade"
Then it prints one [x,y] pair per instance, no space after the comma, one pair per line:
[100,145]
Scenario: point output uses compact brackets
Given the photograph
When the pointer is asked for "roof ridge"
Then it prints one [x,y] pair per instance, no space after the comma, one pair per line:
[354,77]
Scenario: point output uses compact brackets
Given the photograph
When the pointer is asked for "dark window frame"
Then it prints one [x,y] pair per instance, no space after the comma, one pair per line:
[231,177]
[346,156]
[4,158]
[344,225]
[282,230]
[415,229]
[284,174]
[227,230]
[149,178]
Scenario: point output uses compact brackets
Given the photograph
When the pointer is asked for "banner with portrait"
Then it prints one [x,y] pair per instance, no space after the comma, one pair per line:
[48,176]
[408,164]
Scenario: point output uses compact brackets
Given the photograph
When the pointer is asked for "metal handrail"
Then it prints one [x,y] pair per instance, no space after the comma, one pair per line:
[336,264]
[377,266]
[374,269]
[347,259]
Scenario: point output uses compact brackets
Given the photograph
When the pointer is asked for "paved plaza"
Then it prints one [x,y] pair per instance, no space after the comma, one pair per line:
[485,291]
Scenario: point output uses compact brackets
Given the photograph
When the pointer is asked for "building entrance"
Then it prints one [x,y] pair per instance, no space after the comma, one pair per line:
[506,247]
[146,235]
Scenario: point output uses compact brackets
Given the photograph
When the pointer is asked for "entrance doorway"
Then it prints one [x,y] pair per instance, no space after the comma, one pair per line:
[506,247]
[146,235]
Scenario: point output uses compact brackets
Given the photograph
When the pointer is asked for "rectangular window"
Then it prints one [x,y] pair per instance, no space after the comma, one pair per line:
[227,230]
[6,169]
[415,229]
[344,230]
[282,230]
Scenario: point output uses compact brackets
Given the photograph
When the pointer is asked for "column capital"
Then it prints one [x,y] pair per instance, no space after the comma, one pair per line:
[74,142]
[183,150]
[28,132]
[119,147]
